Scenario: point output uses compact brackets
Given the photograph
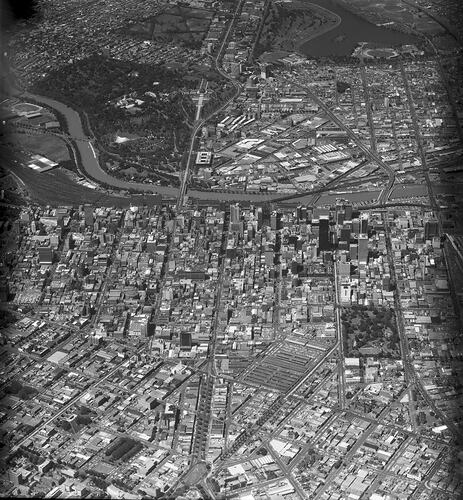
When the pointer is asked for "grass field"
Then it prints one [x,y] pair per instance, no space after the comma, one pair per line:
[46,145]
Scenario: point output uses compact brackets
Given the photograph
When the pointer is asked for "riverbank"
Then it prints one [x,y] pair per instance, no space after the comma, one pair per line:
[342,40]
[288,25]
[70,194]
[327,27]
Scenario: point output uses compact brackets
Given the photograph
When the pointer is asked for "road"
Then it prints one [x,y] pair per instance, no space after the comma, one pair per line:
[341,363]
[68,405]
[204,412]
[199,125]
[373,156]
[366,91]
[419,141]
[92,168]
[410,374]
[438,19]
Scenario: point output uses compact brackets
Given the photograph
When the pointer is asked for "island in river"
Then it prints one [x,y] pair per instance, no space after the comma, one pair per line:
[344,37]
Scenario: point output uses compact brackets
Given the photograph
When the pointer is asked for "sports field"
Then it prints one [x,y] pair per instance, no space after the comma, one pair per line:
[26,107]
[46,145]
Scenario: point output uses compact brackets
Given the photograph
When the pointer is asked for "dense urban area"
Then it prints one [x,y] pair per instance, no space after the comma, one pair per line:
[232,250]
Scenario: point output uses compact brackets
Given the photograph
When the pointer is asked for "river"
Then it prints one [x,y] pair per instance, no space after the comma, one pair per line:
[344,38]
[91,166]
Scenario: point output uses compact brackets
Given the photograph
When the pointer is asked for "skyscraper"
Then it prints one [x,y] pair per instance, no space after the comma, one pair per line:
[363,249]
[235,213]
[364,224]
[348,211]
[431,229]
[88,214]
[45,255]
[275,221]
[324,234]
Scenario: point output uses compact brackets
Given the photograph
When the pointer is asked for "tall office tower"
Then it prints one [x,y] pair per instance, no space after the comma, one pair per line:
[301,213]
[340,217]
[353,251]
[324,234]
[235,213]
[263,71]
[4,291]
[345,234]
[88,214]
[45,255]
[260,217]
[364,224]
[304,214]
[275,221]
[431,229]
[363,249]
[348,212]
[356,226]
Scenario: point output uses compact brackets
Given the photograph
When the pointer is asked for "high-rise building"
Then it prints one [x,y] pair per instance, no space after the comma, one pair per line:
[345,234]
[139,325]
[4,291]
[88,215]
[431,229]
[259,215]
[269,256]
[45,255]
[364,224]
[302,214]
[348,212]
[353,251]
[324,234]
[275,221]
[235,213]
[185,341]
[363,249]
